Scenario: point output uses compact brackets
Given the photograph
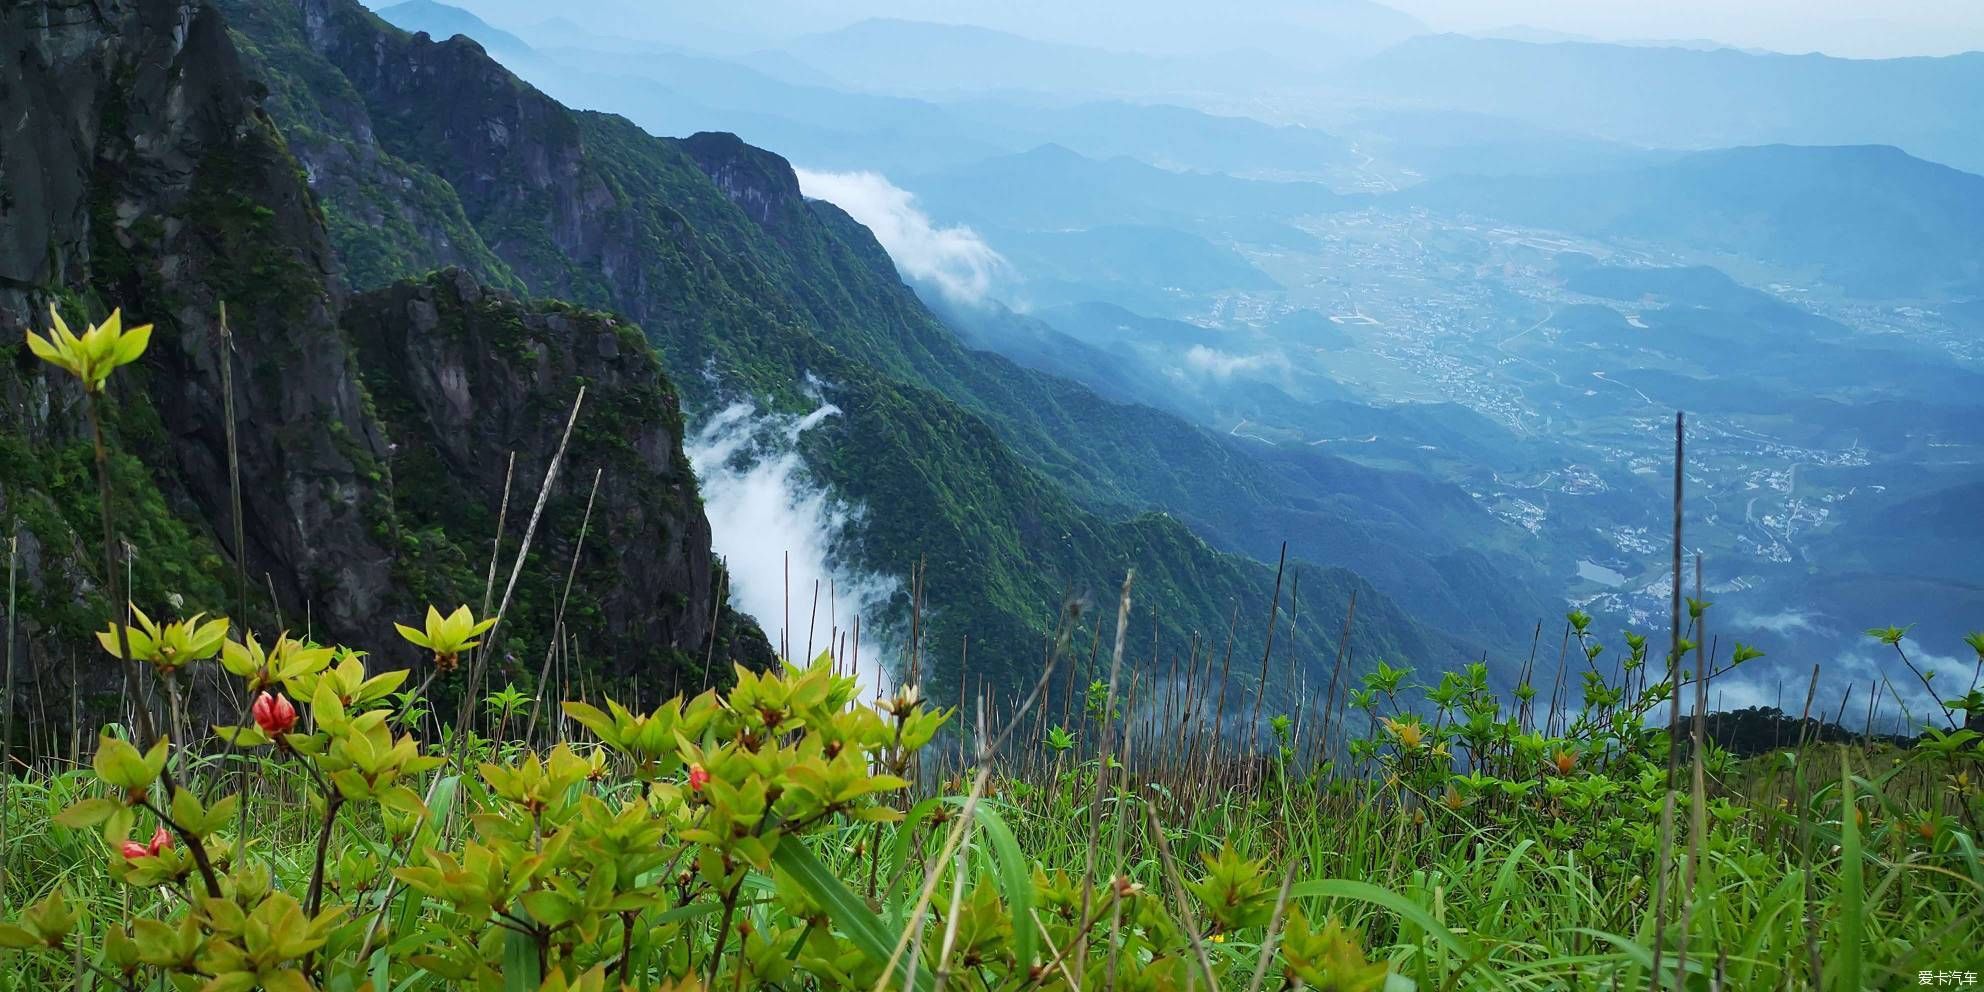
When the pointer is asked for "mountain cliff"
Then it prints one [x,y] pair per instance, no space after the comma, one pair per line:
[458,375]
[371,432]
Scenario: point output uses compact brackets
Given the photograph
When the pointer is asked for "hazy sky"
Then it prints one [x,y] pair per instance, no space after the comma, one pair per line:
[1853,28]
[1856,28]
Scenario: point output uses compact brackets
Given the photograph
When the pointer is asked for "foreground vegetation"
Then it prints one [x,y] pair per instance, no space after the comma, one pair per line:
[785,833]
[767,836]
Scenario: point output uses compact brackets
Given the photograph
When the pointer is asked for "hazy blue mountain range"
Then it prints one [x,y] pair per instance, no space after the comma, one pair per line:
[898,56]
[1871,220]
[1429,143]
[1128,262]
[813,119]
[1052,187]
[1299,31]
[1548,36]
[1669,94]
[1291,29]
[1169,136]
[1699,319]
[1685,98]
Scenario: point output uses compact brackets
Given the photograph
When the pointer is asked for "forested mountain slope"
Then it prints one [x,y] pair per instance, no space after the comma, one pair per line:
[1013,487]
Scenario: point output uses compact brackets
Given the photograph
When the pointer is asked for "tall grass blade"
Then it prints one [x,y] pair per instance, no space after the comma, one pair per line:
[1851,884]
[1015,881]
[856,922]
[1407,910]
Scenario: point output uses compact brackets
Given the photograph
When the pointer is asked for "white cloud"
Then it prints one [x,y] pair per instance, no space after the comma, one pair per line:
[1782,622]
[779,532]
[954,259]
[1739,692]
[1905,706]
[1223,365]
[1877,664]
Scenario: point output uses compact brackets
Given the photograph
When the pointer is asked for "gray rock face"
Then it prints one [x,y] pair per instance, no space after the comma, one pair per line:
[155,183]
[761,183]
[462,375]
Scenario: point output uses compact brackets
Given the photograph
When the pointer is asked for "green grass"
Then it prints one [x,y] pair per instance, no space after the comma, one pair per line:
[1823,867]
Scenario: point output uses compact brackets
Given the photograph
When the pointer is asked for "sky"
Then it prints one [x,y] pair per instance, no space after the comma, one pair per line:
[1852,28]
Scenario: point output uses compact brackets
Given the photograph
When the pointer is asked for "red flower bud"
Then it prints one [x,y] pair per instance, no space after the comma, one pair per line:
[132,850]
[275,714]
[698,777]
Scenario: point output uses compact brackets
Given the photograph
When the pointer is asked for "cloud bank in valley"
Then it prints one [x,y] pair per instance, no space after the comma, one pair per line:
[1782,621]
[954,259]
[767,513]
[1222,365]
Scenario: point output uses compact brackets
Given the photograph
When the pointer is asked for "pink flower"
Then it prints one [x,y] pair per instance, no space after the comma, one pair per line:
[132,850]
[160,840]
[698,777]
[275,714]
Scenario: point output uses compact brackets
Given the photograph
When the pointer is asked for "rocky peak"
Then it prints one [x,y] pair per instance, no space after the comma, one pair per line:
[761,183]
[447,94]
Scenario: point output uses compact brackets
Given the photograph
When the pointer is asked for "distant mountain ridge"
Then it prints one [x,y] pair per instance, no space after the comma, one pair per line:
[1871,220]
[1545,36]
[442,22]
[772,98]
[1052,187]
[923,58]
[1677,97]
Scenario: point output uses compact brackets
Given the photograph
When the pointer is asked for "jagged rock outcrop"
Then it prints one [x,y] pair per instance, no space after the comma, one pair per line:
[460,375]
[760,183]
[512,158]
[144,173]
[389,219]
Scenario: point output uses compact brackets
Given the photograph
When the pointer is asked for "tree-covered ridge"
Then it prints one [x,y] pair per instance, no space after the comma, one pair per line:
[390,219]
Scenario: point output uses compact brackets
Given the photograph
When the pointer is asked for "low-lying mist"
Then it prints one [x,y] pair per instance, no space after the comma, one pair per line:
[783,535]
[954,259]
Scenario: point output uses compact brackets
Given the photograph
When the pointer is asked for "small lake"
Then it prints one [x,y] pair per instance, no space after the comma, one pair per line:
[1600,574]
